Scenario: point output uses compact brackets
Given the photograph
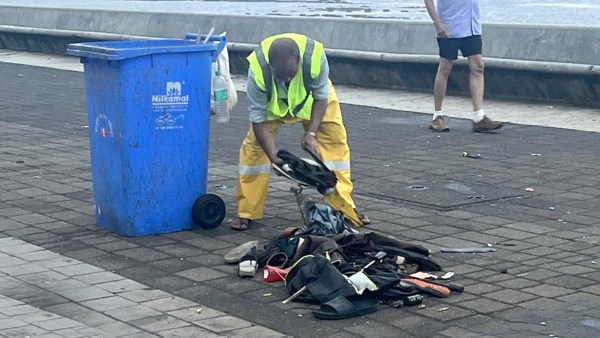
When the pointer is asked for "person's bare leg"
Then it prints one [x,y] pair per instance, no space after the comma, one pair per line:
[441,82]
[481,123]
[476,81]
[439,92]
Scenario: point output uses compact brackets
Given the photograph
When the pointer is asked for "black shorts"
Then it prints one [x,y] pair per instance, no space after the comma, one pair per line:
[449,47]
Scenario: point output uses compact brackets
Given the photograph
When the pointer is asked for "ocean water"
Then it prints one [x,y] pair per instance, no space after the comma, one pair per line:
[546,12]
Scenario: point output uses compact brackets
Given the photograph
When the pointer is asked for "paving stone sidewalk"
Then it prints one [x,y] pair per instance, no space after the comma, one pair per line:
[546,284]
[81,300]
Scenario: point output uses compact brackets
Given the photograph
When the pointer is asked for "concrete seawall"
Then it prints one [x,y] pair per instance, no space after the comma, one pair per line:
[544,63]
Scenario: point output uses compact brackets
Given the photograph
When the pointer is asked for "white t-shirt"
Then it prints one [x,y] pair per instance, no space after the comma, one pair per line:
[461,17]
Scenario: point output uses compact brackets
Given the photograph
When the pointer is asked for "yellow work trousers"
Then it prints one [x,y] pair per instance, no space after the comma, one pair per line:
[255,166]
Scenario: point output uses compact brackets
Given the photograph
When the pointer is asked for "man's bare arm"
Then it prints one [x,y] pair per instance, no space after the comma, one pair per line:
[266,140]
[440,28]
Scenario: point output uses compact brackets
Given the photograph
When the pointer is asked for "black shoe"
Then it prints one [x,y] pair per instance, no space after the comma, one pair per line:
[307,172]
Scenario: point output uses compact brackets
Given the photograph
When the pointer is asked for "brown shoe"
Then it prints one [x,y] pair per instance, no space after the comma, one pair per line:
[486,125]
[438,124]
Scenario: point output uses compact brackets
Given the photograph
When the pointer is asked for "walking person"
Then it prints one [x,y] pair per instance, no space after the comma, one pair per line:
[458,27]
[288,83]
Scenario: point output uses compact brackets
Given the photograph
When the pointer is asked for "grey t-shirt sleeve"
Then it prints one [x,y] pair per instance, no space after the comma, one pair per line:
[257,100]
[320,85]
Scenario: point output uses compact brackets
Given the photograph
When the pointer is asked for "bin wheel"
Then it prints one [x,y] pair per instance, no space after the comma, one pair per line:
[208,211]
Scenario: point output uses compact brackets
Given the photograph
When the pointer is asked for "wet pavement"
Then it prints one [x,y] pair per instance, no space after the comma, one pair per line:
[544,285]
[526,12]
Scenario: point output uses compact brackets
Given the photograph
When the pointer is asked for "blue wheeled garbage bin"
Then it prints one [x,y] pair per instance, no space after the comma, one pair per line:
[148,106]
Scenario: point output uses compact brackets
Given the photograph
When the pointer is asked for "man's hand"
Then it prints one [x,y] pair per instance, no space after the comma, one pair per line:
[442,31]
[309,142]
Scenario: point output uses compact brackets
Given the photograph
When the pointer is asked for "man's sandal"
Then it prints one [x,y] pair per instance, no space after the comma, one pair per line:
[363,218]
[240,224]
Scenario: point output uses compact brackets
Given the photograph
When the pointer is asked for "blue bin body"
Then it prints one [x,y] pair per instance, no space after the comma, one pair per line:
[148,107]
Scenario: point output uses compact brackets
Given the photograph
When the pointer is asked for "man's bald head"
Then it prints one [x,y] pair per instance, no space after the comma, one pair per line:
[284,57]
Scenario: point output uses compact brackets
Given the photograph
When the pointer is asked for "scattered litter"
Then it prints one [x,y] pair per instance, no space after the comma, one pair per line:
[423,275]
[551,107]
[523,274]
[561,220]
[536,154]
[529,189]
[199,310]
[594,262]
[543,323]
[551,208]
[447,275]
[468,250]
[489,245]
[417,187]
[20,75]
[422,306]
[36,177]
[267,294]
[220,187]
[299,315]
[505,244]
[386,165]
[470,155]
[443,309]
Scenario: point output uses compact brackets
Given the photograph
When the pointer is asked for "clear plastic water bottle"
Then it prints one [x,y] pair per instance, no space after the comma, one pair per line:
[220,97]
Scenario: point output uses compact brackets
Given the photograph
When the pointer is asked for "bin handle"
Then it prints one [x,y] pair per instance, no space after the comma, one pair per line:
[221,39]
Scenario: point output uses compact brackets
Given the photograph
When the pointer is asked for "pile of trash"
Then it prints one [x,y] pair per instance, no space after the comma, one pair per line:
[347,273]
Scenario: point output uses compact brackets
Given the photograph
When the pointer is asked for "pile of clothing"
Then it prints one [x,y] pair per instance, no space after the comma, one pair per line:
[347,273]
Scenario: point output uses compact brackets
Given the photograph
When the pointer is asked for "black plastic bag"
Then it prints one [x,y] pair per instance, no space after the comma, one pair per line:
[323,220]
[323,281]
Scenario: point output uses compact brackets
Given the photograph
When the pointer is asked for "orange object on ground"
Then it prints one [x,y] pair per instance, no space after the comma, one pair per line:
[431,288]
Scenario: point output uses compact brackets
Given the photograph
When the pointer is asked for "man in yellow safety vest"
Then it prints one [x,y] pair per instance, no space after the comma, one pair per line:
[288,83]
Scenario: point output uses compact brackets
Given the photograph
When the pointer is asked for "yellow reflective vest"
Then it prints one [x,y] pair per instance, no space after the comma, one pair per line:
[299,99]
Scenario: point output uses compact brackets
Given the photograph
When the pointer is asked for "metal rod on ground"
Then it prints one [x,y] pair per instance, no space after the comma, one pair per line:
[300,200]
[378,257]
[295,295]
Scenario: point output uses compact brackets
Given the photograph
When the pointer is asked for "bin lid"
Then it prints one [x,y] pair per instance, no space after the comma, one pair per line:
[121,50]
